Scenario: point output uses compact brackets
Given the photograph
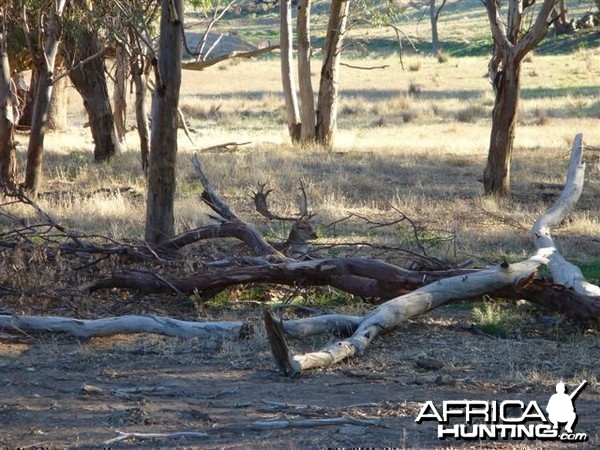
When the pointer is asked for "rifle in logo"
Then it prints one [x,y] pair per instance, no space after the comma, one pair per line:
[560,407]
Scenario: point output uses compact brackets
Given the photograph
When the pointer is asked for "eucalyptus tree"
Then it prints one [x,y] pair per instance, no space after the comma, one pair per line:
[306,121]
[43,48]
[160,222]
[512,41]
[8,110]
[84,48]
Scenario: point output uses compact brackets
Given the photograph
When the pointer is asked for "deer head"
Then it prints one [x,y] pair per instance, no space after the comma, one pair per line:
[302,229]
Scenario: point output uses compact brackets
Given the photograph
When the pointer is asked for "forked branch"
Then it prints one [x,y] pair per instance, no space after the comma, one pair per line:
[513,280]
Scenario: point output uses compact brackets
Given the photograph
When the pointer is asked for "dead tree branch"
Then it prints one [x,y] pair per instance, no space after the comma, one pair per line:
[398,310]
[85,329]
[235,229]
[357,276]
[210,197]
[563,272]
[511,279]
[201,65]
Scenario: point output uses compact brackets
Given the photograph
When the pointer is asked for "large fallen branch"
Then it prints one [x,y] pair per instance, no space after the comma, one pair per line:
[395,311]
[563,272]
[516,279]
[85,329]
[358,276]
[235,229]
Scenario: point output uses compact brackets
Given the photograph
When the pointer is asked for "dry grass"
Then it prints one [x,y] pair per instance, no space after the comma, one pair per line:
[415,141]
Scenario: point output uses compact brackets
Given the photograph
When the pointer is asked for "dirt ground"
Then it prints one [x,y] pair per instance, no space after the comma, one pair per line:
[56,392]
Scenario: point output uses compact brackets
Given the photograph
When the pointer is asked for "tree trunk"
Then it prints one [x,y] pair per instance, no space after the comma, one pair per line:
[160,222]
[328,89]
[510,47]
[141,113]
[433,18]
[496,177]
[287,75]
[57,112]
[35,150]
[120,92]
[90,81]
[43,91]
[8,113]
[562,25]
[307,95]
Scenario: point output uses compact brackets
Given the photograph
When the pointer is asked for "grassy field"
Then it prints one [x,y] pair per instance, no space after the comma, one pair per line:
[415,138]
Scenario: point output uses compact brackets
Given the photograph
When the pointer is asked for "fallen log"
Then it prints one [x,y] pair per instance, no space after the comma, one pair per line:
[233,229]
[574,295]
[393,312]
[85,329]
[580,308]
[563,272]
[358,276]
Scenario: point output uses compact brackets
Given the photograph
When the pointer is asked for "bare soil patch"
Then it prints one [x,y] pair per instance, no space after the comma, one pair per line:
[60,393]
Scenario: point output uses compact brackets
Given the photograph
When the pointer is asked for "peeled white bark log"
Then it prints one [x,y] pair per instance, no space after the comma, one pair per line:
[563,272]
[393,312]
[85,329]
[327,323]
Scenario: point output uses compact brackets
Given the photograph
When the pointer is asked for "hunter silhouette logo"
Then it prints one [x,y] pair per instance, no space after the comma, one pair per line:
[561,409]
[507,419]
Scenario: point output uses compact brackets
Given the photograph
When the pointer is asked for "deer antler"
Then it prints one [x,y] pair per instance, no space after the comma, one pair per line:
[262,206]
[304,204]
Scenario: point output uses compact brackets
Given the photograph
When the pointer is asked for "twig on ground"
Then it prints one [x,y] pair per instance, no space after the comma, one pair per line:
[258,425]
[226,147]
[309,423]
[351,66]
[177,435]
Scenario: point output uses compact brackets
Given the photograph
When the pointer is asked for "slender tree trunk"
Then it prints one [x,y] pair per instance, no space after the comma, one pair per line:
[307,94]
[26,115]
[160,222]
[35,151]
[120,92]
[504,119]
[328,89]
[8,114]
[433,18]
[57,111]
[90,81]
[141,114]
[43,92]
[560,19]
[287,75]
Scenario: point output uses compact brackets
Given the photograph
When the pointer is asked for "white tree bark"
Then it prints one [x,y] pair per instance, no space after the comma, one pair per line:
[563,272]
[391,313]
[85,329]
[292,109]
